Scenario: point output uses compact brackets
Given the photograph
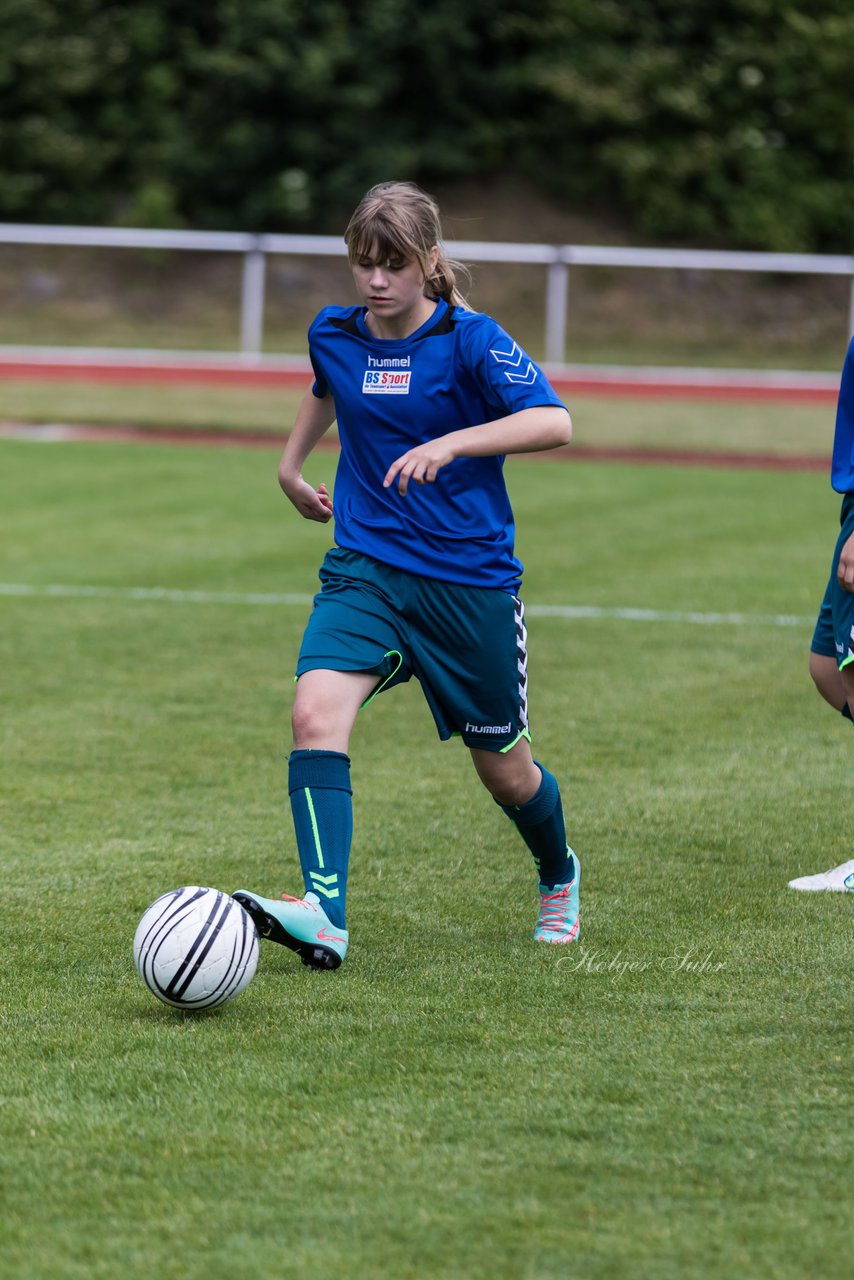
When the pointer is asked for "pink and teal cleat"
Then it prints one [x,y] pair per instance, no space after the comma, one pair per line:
[298,923]
[558,918]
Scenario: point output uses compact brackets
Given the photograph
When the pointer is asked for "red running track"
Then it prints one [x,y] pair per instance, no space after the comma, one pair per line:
[647,383]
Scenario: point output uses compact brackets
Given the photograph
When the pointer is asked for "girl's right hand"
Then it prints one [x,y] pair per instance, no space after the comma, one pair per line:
[312,504]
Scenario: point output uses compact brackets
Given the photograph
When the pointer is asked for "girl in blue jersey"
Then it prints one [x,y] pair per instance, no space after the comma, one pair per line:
[832,649]
[423,581]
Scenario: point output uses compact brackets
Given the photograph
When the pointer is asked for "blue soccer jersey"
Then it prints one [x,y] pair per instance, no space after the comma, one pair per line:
[458,370]
[842,466]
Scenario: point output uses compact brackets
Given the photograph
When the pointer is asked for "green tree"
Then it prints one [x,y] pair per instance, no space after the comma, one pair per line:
[719,121]
[724,122]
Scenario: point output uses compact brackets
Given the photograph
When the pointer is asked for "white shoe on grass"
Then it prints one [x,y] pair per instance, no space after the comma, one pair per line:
[840,879]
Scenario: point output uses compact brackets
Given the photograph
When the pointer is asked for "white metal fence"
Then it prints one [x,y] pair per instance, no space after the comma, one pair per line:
[558,259]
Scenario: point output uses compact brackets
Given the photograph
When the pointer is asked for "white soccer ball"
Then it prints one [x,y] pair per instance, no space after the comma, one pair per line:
[196,948]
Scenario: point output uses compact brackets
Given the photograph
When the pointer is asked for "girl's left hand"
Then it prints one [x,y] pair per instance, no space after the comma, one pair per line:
[420,464]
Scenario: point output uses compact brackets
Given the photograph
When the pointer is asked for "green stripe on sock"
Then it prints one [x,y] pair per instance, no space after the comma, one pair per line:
[325,893]
[313,817]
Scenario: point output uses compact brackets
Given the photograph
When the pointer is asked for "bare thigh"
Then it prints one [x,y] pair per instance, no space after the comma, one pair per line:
[835,686]
[827,679]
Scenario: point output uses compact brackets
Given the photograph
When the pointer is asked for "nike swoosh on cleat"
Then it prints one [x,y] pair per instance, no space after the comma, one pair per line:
[323,936]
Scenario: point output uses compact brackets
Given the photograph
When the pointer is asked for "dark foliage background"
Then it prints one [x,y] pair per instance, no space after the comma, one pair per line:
[715,121]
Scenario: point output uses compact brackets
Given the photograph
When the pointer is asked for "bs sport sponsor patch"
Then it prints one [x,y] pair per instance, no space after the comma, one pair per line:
[387,377]
[393,382]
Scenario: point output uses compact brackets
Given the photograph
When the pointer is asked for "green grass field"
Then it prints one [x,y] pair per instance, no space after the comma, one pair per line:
[666,1100]
[759,427]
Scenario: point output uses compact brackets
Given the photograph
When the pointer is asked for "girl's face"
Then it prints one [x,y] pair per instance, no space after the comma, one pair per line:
[393,291]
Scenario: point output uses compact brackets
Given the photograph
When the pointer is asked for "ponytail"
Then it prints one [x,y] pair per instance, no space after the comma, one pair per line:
[443,282]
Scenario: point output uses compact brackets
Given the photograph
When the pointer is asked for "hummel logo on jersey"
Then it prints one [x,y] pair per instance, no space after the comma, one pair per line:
[513,357]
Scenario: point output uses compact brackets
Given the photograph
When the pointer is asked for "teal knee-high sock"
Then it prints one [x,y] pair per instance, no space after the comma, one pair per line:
[322,807]
[541,825]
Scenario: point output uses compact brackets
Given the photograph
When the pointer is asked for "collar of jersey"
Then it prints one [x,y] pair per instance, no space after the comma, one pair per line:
[420,332]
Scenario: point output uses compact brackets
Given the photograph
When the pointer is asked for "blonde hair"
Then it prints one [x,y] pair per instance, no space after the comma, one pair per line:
[399,220]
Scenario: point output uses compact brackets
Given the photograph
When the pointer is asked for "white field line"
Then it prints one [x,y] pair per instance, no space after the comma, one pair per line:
[149,593]
[566,611]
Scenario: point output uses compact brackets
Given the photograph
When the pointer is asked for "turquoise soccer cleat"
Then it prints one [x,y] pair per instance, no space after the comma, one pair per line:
[298,923]
[558,917]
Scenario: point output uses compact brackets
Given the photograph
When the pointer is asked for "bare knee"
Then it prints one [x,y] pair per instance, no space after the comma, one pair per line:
[511,793]
[311,724]
[325,709]
[511,779]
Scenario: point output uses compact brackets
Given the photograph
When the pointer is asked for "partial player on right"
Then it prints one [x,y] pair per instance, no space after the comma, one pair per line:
[832,650]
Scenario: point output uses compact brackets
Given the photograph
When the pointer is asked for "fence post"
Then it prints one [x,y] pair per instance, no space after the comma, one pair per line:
[252,301]
[557,292]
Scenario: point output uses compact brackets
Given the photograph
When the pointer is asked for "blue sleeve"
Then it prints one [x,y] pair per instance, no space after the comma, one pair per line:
[507,375]
[842,468]
[320,387]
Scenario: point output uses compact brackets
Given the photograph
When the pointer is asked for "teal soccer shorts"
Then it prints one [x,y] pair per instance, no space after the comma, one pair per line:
[465,645]
[834,630]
